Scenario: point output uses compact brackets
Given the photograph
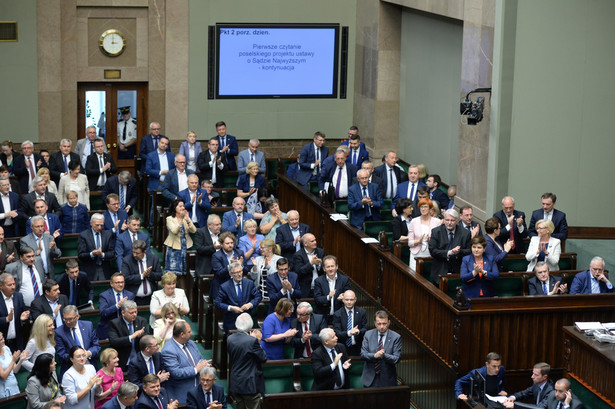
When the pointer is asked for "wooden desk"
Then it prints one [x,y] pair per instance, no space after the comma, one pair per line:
[591,363]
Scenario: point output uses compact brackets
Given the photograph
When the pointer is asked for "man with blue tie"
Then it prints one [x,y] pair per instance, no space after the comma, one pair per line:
[44,245]
[236,296]
[381,350]
[155,397]
[147,361]
[409,188]
[548,212]
[96,248]
[58,162]
[29,275]
[115,216]
[592,281]
[390,174]
[358,154]
[74,282]
[233,220]
[75,332]
[207,395]
[123,243]
[541,387]
[123,185]
[110,303]
[310,159]
[364,200]
[228,145]
[196,201]
[126,331]
[127,395]
[284,284]
[252,154]
[51,303]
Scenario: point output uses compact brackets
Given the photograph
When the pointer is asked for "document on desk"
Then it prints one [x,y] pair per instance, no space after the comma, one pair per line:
[499,399]
[587,326]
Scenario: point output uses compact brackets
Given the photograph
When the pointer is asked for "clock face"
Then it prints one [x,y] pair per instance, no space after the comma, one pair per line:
[112,43]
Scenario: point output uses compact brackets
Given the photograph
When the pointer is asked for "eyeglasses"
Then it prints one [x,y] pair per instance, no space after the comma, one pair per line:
[207,380]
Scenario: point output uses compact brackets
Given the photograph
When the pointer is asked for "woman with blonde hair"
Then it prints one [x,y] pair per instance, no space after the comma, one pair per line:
[51,185]
[544,247]
[163,326]
[247,188]
[250,242]
[178,241]
[168,294]
[42,340]
[111,374]
[265,265]
[191,149]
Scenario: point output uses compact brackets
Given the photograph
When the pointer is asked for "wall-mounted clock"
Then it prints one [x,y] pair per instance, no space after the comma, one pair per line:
[112,43]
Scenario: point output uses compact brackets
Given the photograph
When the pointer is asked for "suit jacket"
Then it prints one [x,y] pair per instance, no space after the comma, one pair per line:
[324,376]
[495,251]
[41,306]
[108,310]
[146,402]
[284,238]
[305,270]
[13,229]
[219,266]
[170,188]
[113,403]
[204,246]
[184,149]
[360,211]
[201,208]
[505,234]
[400,227]
[37,394]
[196,397]
[328,172]
[56,164]
[322,306]
[65,341]
[340,323]
[373,179]
[82,185]
[80,149]
[274,289]
[381,172]
[21,170]
[472,225]
[551,402]
[230,218]
[535,285]
[415,231]
[403,190]
[147,146]
[438,248]
[92,169]
[363,156]
[440,197]
[123,245]
[552,258]
[233,150]
[307,157]
[14,269]
[392,354]
[558,219]
[472,285]
[53,223]
[245,357]
[203,164]
[112,185]
[110,225]
[132,273]
[243,159]
[18,307]
[533,392]
[315,324]
[581,284]
[81,222]
[138,368]
[227,296]
[31,241]
[182,371]
[86,244]
[152,168]
[118,337]
[83,285]
[7,248]
[27,203]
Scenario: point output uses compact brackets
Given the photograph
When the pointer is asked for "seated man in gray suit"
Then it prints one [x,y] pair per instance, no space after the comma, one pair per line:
[562,397]
[381,350]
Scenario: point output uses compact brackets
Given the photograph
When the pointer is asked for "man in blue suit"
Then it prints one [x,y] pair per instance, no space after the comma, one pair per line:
[207,394]
[549,213]
[155,169]
[52,222]
[127,395]
[252,154]
[310,159]
[381,348]
[149,143]
[96,249]
[147,361]
[364,200]
[592,281]
[75,332]
[540,389]
[358,154]
[435,193]
[236,296]
[182,359]
[228,145]
[284,284]
[177,179]
[115,217]
[337,176]
[123,243]
[390,174]
[233,220]
[12,214]
[288,236]
[221,259]
[110,303]
[125,187]
[196,201]
[155,397]
[410,187]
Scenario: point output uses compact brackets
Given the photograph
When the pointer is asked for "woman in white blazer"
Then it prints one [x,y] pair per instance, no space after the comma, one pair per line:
[420,231]
[265,265]
[544,247]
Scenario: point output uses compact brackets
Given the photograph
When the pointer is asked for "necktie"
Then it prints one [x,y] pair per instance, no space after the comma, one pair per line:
[187,352]
[348,328]
[114,215]
[318,158]
[122,197]
[118,297]
[151,365]
[91,147]
[208,397]
[98,246]
[378,362]
[450,240]
[77,341]
[595,285]
[124,132]
[354,157]
[338,377]
[43,255]
[73,295]
[34,282]
[369,211]
[222,142]
[239,294]
[411,193]
[118,300]
[131,330]
[134,237]
[142,267]
[338,183]
[65,164]
[251,157]
[103,175]
[390,187]
[308,347]
[31,168]
[512,236]
[155,141]
[544,288]
[158,403]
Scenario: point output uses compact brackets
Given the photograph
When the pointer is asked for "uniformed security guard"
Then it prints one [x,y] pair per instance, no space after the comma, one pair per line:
[127,135]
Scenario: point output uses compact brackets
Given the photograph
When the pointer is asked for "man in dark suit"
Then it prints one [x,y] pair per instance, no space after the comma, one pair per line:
[99,166]
[549,213]
[466,213]
[127,395]
[58,162]
[228,145]
[381,350]
[207,394]
[142,272]
[44,244]
[562,397]
[10,209]
[212,164]
[541,387]
[26,165]
[51,222]
[221,259]
[85,146]
[307,264]
[422,193]
[74,284]
[28,265]
[206,243]
[288,236]
[369,167]
[364,200]
[448,245]
[233,220]
[330,363]
[308,326]
[125,187]
[358,154]
[543,283]
[236,296]
[13,313]
[513,225]
[183,360]
[196,201]
[284,284]
[592,281]
[149,143]
[409,188]
[390,174]
[350,324]
[177,179]
[435,193]
[51,303]
[8,253]
[246,356]
[115,217]
[126,331]
[96,249]
[75,332]
[158,163]
[110,303]
[40,192]
[310,159]
[155,397]
[147,361]
[336,177]
[329,289]
[123,242]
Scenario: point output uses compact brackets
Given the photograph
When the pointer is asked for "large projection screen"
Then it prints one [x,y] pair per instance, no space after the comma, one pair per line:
[276,60]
